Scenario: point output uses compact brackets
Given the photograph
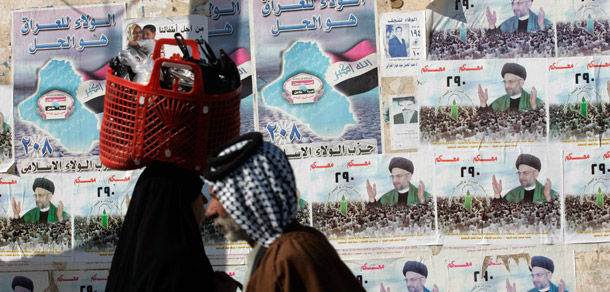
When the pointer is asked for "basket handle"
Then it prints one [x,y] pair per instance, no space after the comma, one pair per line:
[161,42]
[156,73]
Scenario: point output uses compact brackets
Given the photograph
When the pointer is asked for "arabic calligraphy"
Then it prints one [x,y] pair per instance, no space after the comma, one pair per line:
[352,164]
[477,68]
[555,67]
[79,181]
[61,279]
[478,158]
[440,159]
[452,265]
[425,69]
[328,151]
[95,278]
[11,182]
[112,179]
[217,12]
[378,267]
[61,165]
[592,65]
[569,157]
[314,166]
[63,23]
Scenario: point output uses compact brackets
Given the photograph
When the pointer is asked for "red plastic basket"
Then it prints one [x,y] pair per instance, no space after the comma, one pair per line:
[142,123]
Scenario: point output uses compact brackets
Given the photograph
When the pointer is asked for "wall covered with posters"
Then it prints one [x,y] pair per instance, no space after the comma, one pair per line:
[418,131]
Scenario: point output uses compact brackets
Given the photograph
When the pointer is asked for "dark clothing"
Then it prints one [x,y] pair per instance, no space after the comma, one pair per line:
[302,259]
[397,48]
[552,288]
[522,27]
[160,246]
[400,119]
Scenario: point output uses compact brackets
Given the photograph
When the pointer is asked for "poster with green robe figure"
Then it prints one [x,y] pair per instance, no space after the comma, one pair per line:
[587,200]
[499,197]
[374,201]
[467,105]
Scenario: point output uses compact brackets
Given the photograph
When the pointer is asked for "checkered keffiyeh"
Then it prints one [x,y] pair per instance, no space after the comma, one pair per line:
[255,184]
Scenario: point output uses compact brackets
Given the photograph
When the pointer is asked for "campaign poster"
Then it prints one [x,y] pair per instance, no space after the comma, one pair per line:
[300,168]
[33,281]
[519,268]
[587,195]
[6,128]
[141,34]
[316,75]
[102,200]
[40,218]
[467,105]
[85,281]
[582,27]
[63,56]
[374,201]
[499,197]
[229,25]
[404,124]
[493,29]
[403,42]
[579,96]
[412,272]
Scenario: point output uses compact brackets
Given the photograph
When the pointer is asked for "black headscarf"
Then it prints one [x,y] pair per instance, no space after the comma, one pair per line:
[160,246]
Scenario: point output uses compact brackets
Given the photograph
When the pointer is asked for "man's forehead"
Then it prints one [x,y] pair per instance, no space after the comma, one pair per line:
[525,167]
[397,170]
[537,270]
[510,76]
[410,274]
[41,191]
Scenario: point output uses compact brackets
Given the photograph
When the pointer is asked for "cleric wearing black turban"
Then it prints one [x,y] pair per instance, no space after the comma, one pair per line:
[401,170]
[542,272]
[531,190]
[516,98]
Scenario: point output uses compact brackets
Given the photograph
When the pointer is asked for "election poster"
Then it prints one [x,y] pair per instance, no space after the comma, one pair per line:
[316,76]
[229,30]
[374,201]
[499,197]
[101,202]
[39,225]
[483,29]
[582,28]
[85,281]
[579,95]
[514,268]
[141,34]
[467,105]
[32,281]
[7,128]
[587,195]
[301,170]
[63,56]
[402,41]
[414,272]
[237,272]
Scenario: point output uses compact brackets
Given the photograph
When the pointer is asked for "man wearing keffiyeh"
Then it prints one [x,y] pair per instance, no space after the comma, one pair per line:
[253,198]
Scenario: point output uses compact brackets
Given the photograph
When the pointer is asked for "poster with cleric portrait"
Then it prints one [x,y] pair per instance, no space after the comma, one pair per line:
[41,216]
[587,195]
[483,29]
[511,269]
[582,28]
[579,96]
[499,197]
[102,199]
[467,105]
[7,128]
[374,201]
[413,272]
